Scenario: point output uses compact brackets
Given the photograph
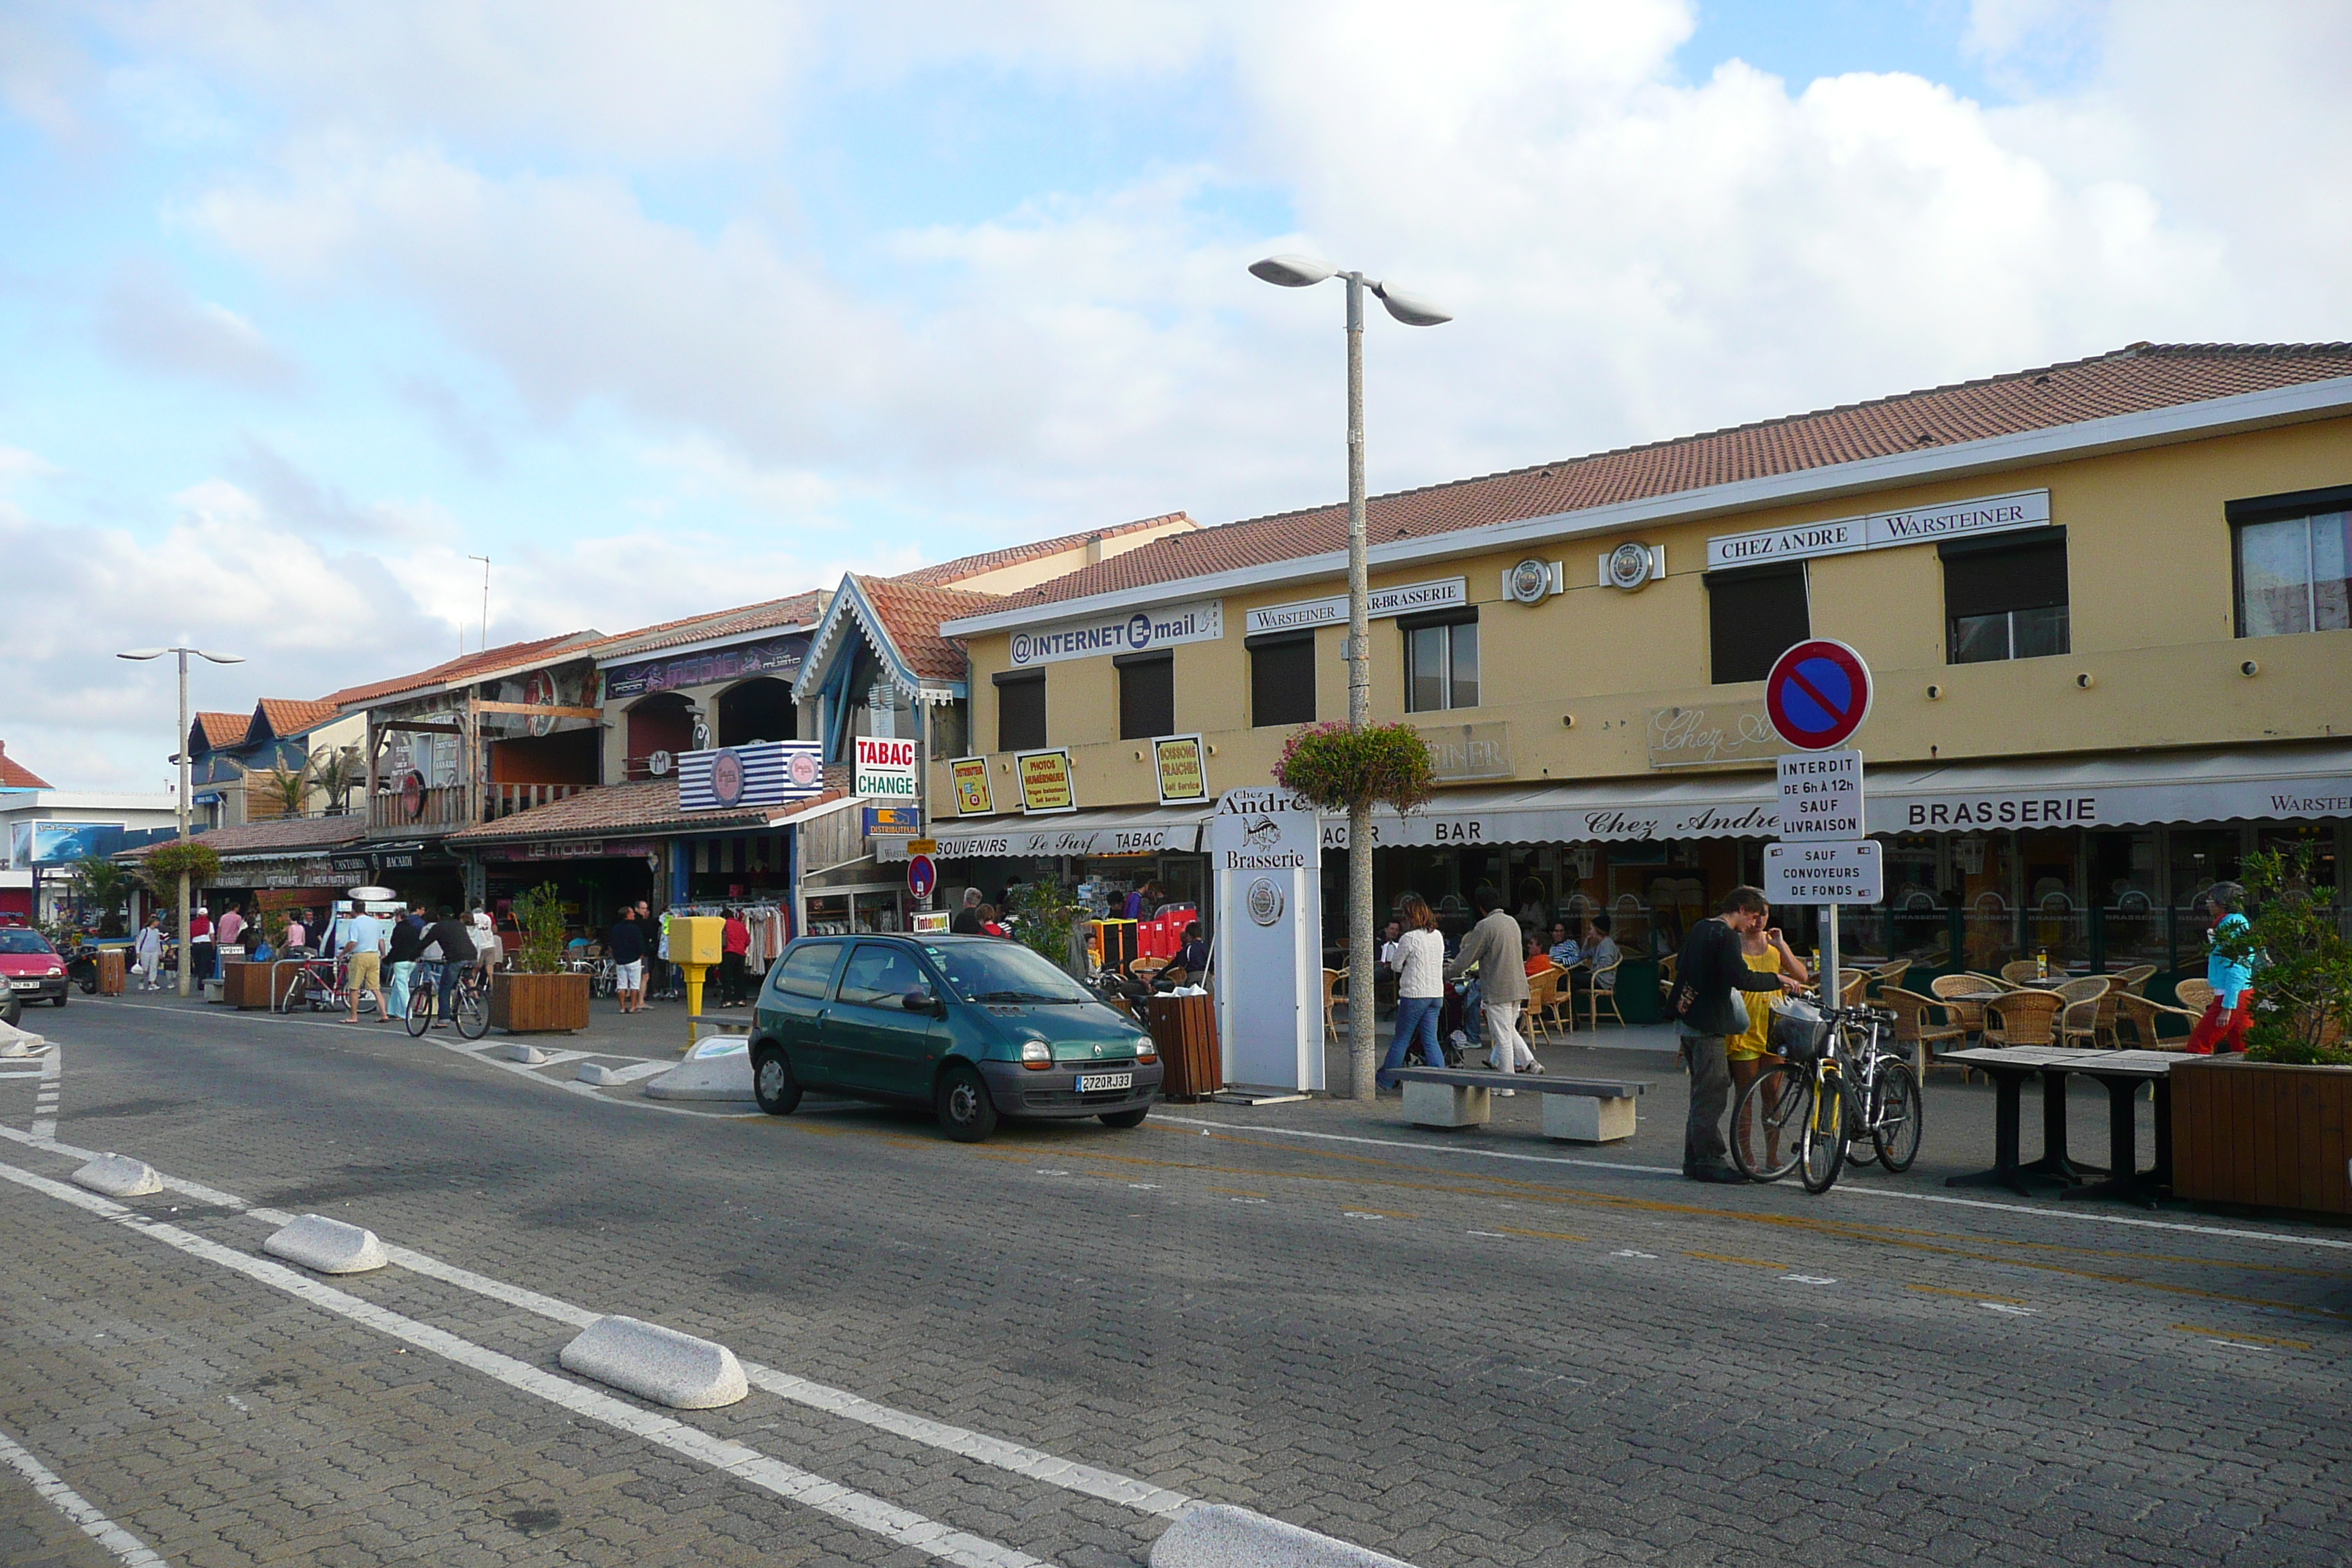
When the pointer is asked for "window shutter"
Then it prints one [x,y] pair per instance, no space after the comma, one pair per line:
[1755,614]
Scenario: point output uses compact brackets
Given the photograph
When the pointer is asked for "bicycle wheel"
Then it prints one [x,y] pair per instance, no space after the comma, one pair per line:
[1767,1122]
[472,1006]
[1897,1119]
[420,1007]
[1821,1139]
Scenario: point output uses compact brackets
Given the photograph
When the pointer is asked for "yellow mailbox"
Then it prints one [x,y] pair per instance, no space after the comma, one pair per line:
[696,943]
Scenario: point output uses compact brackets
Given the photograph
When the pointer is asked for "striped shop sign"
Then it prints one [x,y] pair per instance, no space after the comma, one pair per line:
[769,773]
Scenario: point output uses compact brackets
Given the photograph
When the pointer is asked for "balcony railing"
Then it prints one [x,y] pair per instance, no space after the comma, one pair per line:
[506,799]
[437,809]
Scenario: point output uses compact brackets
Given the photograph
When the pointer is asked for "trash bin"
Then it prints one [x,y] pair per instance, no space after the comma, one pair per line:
[109,972]
[1185,1030]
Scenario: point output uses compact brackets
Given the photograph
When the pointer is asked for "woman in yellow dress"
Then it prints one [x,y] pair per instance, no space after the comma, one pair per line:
[1768,952]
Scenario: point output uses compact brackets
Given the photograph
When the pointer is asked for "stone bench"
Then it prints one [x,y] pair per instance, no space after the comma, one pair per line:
[1575,1110]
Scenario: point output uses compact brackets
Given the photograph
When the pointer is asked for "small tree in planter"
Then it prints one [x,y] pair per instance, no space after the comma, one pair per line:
[1342,768]
[538,996]
[2303,964]
[540,913]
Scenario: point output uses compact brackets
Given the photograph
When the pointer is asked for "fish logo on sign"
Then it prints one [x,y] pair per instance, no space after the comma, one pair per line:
[1818,694]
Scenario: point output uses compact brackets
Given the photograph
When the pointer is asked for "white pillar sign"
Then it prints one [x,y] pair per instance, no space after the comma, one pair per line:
[1266,851]
[1821,795]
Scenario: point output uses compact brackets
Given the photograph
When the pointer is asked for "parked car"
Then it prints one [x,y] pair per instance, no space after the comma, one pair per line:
[34,971]
[975,1028]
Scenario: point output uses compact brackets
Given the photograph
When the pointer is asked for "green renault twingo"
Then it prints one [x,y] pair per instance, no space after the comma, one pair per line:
[976,1027]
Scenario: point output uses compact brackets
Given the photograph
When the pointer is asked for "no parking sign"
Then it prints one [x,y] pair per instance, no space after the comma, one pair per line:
[1818,694]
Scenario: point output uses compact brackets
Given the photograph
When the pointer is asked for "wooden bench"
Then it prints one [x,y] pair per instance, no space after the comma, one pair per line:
[1576,1110]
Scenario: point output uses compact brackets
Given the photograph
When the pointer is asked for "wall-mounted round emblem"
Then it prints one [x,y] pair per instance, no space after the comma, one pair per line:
[1264,900]
[804,769]
[1531,582]
[659,764]
[1629,566]
[412,795]
[726,778]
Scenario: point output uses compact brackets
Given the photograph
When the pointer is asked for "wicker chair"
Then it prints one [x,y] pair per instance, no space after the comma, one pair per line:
[1666,968]
[1597,993]
[1543,996]
[1851,983]
[1991,982]
[1887,977]
[2145,1018]
[2135,979]
[1969,1016]
[2088,1019]
[2022,1018]
[1334,996]
[1913,1027]
[2020,971]
[2195,994]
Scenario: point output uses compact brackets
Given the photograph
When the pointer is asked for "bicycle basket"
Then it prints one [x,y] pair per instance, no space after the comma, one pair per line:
[1798,1032]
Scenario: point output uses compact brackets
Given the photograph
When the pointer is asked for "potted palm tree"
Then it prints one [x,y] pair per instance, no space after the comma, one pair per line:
[537,996]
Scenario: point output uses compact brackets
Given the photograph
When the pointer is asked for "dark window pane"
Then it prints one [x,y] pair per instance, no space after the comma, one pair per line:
[2028,577]
[1462,691]
[805,970]
[1976,639]
[1282,682]
[1021,714]
[2037,634]
[1753,618]
[1147,699]
[1425,689]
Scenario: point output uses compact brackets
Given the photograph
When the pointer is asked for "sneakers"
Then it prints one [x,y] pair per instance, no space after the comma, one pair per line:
[1533,1067]
[1714,1171]
[1502,1093]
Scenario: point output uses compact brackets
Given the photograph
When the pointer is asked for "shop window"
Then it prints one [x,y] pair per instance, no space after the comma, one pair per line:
[1440,661]
[1754,615]
[951,728]
[2004,599]
[2293,560]
[1147,695]
[1282,679]
[1021,711]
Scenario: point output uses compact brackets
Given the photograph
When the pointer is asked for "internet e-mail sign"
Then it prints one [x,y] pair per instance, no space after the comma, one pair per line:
[1116,631]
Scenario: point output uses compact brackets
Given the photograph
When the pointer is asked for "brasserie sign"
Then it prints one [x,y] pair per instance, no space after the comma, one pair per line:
[1881,531]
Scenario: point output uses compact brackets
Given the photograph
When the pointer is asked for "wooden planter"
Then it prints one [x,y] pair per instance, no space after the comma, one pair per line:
[2263,1133]
[247,985]
[539,1004]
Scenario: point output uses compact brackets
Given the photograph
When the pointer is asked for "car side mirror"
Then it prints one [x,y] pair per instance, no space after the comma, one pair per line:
[919,1001]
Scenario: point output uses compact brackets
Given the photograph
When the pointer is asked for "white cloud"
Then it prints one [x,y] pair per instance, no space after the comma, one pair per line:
[146,318]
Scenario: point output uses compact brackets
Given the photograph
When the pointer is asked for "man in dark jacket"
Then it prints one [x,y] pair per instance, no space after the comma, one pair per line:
[1705,1011]
[455,942]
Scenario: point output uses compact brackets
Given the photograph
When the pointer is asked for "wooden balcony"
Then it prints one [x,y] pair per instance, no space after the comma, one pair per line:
[506,799]
[438,810]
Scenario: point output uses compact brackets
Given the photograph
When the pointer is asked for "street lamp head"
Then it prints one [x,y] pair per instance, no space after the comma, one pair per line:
[239,658]
[144,653]
[1411,309]
[1292,272]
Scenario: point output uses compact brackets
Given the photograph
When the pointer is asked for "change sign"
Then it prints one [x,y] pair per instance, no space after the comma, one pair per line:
[886,768]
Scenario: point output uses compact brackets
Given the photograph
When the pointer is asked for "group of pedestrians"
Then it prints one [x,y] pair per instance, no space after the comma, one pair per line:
[1492,949]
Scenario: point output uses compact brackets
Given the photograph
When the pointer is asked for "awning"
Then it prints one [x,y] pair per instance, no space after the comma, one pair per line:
[1127,830]
[2131,789]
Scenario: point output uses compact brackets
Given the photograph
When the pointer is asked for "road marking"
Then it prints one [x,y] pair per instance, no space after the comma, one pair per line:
[1375,1213]
[1238,1192]
[1629,1252]
[2232,1337]
[1808,1279]
[127,1548]
[1981,1296]
[2012,1312]
[45,1105]
[749,1464]
[1843,1189]
[1490,1234]
[1743,1262]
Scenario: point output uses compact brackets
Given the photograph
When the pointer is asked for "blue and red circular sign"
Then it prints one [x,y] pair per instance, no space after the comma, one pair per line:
[922,875]
[1818,694]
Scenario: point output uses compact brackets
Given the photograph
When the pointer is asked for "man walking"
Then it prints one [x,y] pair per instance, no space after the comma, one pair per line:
[627,943]
[1706,1013]
[363,944]
[1493,949]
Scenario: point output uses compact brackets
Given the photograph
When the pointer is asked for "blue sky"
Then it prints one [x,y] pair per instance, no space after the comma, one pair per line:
[306,303]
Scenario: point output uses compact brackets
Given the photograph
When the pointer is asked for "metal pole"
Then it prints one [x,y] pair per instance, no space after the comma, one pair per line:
[1362,988]
[187,948]
[1829,980]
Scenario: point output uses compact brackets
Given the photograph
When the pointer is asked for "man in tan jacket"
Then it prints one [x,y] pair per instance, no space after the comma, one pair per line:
[1492,948]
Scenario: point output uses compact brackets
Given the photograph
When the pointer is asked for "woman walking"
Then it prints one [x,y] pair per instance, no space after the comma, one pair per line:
[1749,1052]
[1421,989]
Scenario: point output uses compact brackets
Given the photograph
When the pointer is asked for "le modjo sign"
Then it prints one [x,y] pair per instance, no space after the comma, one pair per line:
[1881,530]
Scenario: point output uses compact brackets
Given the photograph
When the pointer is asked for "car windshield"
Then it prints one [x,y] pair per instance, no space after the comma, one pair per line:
[1003,971]
[13,941]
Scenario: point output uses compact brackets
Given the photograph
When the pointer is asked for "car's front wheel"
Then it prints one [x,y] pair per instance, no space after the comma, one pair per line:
[966,1112]
[59,999]
[773,1083]
[1124,1119]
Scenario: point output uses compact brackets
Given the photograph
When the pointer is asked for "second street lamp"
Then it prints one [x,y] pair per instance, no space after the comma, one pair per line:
[1301,272]
[180,755]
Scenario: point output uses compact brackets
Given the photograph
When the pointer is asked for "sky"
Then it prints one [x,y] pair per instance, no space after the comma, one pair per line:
[304,303]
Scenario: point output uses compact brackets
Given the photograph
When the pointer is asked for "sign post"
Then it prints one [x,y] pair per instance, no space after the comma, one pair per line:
[1265,856]
[1818,695]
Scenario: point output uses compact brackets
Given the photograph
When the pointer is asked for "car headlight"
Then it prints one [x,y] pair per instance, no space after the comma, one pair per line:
[56,970]
[1036,1055]
[1146,1048]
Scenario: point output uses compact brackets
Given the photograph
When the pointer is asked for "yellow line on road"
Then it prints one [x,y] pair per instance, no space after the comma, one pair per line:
[2234,1334]
[1542,1235]
[1746,1262]
[1968,1295]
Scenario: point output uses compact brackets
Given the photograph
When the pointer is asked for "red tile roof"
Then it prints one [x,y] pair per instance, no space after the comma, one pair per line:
[15,775]
[287,717]
[911,613]
[947,573]
[282,835]
[793,610]
[2142,378]
[221,731]
[465,667]
[624,808]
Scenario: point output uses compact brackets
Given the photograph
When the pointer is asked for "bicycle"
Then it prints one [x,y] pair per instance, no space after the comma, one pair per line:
[1841,1082]
[469,1000]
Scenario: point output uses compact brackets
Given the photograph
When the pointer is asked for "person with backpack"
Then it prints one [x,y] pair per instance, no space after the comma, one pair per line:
[1707,1015]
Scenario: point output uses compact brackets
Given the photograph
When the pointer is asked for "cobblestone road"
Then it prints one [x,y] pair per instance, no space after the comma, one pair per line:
[1400,1338]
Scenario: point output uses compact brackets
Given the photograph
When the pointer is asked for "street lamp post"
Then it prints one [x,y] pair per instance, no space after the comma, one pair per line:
[181,796]
[1301,272]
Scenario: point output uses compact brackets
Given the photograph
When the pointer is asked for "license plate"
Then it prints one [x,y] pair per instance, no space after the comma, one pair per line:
[1093,1082]
[23,985]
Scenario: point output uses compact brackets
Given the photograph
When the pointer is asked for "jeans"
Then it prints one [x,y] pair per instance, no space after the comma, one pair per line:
[1416,1022]
[1473,1012]
[1710,1096]
[395,993]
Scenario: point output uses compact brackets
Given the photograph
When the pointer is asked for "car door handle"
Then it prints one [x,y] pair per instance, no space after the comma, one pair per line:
[822,1014]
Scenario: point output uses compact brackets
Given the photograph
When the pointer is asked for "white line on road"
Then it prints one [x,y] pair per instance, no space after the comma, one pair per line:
[125,1546]
[44,1106]
[747,1464]
[1844,1189]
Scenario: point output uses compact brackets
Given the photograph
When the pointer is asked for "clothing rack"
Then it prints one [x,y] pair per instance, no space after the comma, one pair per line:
[770,923]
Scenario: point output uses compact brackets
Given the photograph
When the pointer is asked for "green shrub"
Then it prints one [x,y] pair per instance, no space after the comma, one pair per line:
[539,912]
[165,862]
[1338,767]
[2302,962]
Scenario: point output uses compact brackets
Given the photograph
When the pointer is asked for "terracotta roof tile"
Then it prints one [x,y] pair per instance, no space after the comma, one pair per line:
[793,610]
[2133,380]
[964,567]
[287,835]
[462,668]
[221,731]
[646,808]
[911,612]
[15,775]
[289,717]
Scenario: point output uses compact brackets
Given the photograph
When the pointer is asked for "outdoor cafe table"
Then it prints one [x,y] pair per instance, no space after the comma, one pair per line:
[2121,1073]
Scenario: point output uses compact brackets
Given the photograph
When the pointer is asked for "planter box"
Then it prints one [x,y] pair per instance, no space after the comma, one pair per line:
[539,1004]
[247,985]
[2263,1133]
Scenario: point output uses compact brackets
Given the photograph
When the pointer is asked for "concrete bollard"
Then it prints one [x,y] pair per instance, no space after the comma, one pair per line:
[656,1364]
[530,1056]
[597,1073]
[724,1073]
[1214,1535]
[327,1245]
[119,1176]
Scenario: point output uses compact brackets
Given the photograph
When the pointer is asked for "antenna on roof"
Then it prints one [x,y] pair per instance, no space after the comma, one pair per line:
[486,606]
